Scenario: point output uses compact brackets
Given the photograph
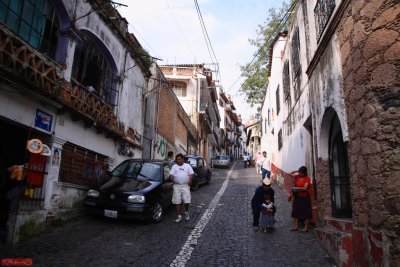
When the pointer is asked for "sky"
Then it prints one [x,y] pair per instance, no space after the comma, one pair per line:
[170,30]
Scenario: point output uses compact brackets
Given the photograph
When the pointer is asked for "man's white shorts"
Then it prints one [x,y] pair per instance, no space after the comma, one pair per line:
[181,194]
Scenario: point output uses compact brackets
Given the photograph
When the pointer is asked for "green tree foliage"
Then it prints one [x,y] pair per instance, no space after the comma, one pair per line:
[256,71]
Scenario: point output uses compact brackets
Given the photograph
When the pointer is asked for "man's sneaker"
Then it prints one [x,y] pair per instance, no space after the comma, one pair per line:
[178,219]
[187,217]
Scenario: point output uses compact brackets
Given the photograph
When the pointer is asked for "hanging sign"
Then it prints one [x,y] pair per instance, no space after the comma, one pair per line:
[34,146]
[43,120]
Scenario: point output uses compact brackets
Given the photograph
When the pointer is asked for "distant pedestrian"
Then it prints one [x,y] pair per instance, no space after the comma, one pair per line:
[245,160]
[249,158]
[265,166]
[181,174]
[301,209]
[258,162]
[258,200]
[170,156]
[267,219]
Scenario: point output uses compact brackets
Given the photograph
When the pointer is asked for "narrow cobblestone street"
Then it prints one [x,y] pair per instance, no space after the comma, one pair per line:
[219,236]
[229,240]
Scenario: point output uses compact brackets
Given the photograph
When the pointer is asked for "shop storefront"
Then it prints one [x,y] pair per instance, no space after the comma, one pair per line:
[24,155]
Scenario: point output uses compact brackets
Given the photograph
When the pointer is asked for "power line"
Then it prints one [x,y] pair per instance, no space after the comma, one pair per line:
[207,39]
[273,33]
[179,28]
[204,30]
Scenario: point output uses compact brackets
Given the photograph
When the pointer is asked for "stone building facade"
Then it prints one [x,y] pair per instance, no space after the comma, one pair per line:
[340,77]
[368,37]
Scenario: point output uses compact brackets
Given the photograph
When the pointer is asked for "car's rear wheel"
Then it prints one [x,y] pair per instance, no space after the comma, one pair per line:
[195,184]
[157,212]
[209,173]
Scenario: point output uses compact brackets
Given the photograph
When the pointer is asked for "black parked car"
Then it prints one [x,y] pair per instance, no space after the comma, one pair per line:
[134,189]
[201,170]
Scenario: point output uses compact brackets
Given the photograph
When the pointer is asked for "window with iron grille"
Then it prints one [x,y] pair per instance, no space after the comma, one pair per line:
[35,21]
[339,172]
[280,143]
[265,123]
[286,80]
[322,13]
[295,54]
[81,166]
[289,103]
[179,88]
[278,101]
[92,69]
[289,124]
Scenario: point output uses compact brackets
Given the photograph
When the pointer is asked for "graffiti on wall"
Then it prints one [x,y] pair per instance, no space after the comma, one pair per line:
[162,148]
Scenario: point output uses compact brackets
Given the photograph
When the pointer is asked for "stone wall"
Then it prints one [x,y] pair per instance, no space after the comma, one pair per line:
[369,41]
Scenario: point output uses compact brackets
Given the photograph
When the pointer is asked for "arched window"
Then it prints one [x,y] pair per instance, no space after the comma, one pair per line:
[93,70]
[35,21]
[339,171]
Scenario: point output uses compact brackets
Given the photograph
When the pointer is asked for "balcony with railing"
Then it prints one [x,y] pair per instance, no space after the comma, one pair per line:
[24,67]
[216,138]
[229,140]
[238,132]
[229,127]
[206,120]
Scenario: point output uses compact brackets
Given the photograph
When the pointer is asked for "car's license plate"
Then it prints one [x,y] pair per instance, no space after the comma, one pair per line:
[111,213]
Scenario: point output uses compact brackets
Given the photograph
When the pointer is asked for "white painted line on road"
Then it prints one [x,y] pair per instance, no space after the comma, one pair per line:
[184,255]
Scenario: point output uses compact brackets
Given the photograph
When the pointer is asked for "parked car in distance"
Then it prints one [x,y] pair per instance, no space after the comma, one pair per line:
[220,161]
[134,189]
[201,170]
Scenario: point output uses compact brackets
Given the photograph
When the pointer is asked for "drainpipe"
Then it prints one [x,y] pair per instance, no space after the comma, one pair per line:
[197,112]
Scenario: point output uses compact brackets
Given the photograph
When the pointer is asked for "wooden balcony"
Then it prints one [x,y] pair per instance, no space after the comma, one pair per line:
[23,66]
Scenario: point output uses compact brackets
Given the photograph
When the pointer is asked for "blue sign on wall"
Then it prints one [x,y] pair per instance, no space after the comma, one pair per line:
[43,120]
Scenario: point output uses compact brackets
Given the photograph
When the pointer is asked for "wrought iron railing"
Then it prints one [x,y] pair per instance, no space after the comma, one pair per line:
[82,167]
[216,137]
[286,80]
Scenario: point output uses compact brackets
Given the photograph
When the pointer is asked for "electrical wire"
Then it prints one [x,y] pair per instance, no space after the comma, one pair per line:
[179,28]
[273,34]
[205,33]
[208,41]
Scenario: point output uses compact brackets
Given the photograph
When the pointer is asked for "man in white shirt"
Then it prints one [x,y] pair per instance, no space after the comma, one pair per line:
[181,174]
[245,159]
[265,166]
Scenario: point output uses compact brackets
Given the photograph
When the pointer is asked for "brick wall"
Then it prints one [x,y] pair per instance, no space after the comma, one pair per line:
[167,114]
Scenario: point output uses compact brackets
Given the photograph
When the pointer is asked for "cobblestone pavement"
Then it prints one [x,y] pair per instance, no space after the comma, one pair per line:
[219,233]
[229,240]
